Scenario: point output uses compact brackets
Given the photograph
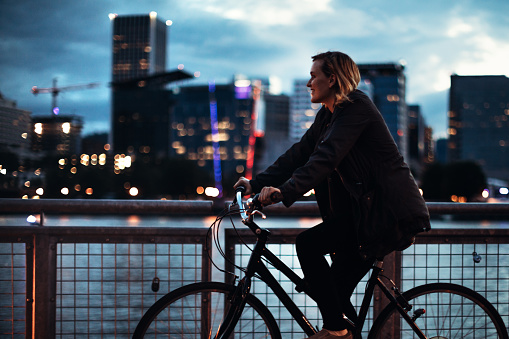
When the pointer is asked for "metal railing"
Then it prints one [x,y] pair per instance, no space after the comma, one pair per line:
[98,281]
[93,281]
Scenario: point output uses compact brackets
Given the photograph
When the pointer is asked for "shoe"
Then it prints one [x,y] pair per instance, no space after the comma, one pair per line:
[326,334]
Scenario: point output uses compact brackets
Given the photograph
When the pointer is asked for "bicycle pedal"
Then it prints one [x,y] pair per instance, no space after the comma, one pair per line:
[418,313]
[301,287]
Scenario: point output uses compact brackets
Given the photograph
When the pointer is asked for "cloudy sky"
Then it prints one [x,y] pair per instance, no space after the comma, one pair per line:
[71,41]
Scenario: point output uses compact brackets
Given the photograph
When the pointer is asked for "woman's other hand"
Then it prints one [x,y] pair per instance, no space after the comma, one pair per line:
[266,195]
[244,182]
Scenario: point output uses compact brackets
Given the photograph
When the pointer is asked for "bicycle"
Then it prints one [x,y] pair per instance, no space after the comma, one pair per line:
[222,310]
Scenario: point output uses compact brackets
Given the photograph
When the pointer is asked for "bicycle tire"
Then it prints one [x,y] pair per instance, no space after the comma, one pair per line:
[452,311]
[181,314]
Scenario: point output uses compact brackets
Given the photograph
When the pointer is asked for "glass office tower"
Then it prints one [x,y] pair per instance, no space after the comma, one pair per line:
[139,46]
[479,122]
[388,84]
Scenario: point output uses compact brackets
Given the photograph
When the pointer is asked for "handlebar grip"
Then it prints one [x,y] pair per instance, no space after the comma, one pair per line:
[241,189]
[276,197]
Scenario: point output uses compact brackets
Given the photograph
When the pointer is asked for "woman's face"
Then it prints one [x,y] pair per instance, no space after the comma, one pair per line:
[321,86]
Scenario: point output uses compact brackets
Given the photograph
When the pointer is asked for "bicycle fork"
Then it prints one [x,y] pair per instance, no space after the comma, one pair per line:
[236,303]
[237,300]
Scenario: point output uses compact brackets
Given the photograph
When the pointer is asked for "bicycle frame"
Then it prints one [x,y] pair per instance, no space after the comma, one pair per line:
[256,266]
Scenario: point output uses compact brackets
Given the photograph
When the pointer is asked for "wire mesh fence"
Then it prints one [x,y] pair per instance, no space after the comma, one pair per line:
[102,281]
[13,294]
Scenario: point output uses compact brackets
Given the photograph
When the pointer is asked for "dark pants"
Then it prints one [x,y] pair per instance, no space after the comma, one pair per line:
[331,286]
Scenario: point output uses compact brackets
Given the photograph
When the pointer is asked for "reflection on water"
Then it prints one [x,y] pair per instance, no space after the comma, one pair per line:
[206,221]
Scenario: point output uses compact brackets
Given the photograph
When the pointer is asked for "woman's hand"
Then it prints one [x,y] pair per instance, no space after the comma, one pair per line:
[244,182]
[266,195]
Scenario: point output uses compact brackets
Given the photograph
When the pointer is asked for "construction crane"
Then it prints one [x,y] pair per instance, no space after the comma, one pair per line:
[56,90]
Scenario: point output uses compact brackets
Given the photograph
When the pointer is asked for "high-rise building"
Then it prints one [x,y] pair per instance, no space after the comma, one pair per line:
[441,151]
[141,104]
[15,127]
[388,83]
[302,110]
[416,126]
[479,122]
[429,146]
[15,132]
[141,121]
[57,135]
[420,141]
[227,128]
[276,138]
[212,125]
[139,46]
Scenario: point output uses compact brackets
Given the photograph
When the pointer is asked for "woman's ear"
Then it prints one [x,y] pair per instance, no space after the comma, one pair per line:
[332,80]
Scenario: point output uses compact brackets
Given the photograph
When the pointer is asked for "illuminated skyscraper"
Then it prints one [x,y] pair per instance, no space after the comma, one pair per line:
[139,46]
[141,105]
[479,122]
[388,93]
[212,125]
[230,127]
[57,135]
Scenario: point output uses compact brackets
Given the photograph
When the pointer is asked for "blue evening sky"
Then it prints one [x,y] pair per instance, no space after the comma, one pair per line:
[71,40]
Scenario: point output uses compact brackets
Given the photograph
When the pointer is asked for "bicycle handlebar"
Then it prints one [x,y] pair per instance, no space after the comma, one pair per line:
[238,199]
[253,206]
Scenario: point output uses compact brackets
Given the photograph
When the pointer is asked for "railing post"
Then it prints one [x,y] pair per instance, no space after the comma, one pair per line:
[29,285]
[44,282]
[392,270]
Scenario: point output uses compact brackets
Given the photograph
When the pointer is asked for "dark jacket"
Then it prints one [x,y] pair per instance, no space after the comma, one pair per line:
[353,149]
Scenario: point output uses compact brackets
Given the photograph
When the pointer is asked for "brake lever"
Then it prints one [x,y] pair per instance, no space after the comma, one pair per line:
[259,213]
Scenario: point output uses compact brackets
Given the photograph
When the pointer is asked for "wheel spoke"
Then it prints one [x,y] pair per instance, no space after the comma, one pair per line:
[452,311]
[197,312]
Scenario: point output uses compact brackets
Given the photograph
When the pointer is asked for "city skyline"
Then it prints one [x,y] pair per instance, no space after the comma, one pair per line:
[72,42]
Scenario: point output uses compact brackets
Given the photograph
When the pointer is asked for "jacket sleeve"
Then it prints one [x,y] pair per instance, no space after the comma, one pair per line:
[295,157]
[346,127]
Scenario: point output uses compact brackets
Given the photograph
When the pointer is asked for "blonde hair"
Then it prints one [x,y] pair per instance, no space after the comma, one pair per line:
[346,72]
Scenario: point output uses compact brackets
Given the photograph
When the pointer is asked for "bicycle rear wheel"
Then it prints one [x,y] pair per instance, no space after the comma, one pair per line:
[197,311]
[452,311]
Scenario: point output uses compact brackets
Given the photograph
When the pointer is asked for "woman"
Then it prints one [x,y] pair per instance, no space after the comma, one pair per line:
[368,199]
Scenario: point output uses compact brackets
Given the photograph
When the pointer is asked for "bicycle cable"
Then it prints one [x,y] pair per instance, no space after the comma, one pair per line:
[214,236]
[213,233]
[247,246]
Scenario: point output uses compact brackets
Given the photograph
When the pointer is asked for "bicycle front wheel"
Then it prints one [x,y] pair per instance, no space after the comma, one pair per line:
[451,311]
[198,310]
